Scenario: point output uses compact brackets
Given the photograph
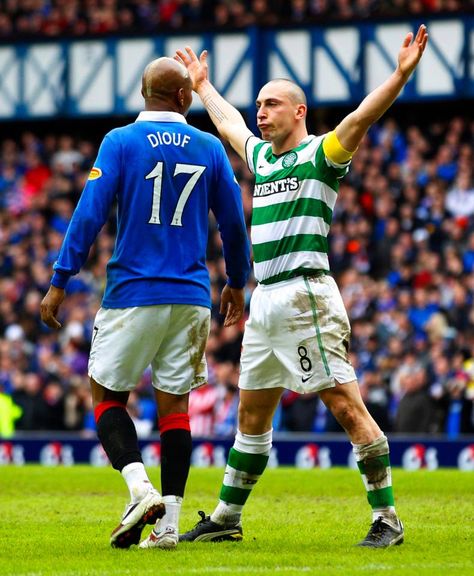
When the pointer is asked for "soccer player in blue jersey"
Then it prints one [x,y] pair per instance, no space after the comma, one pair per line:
[165,176]
[297,334]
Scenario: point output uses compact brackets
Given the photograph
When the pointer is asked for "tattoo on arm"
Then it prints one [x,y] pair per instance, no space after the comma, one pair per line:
[213,108]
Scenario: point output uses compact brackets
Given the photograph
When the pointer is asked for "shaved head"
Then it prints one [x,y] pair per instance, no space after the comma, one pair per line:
[165,83]
[292,90]
[281,114]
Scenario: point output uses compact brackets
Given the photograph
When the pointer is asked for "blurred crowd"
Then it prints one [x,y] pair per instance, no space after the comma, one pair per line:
[401,250]
[101,17]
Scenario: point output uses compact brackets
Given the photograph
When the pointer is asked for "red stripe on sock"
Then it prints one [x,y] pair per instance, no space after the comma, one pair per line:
[103,406]
[174,421]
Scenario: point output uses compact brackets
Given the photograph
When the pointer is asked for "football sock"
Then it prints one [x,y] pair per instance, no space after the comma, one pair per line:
[117,434]
[171,517]
[176,448]
[137,481]
[374,465]
[246,462]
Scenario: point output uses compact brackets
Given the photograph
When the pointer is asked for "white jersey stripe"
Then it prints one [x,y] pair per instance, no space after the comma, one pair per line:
[308,189]
[291,227]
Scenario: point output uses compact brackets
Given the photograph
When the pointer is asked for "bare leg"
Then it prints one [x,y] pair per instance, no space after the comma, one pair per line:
[347,406]
[371,451]
[256,410]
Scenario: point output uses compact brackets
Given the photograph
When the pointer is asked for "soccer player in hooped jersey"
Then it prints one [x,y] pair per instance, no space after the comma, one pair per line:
[165,176]
[297,334]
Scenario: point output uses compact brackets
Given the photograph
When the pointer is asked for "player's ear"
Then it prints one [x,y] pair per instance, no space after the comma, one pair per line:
[181,97]
[301,111]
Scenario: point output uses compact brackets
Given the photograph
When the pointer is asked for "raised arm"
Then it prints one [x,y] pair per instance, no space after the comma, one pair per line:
[227,119]
[354,126]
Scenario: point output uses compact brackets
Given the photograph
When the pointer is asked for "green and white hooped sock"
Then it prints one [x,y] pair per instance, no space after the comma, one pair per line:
[246,462]
[374,465]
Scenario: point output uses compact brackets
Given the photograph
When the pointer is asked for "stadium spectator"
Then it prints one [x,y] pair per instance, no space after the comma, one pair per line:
[460,197]
[299,411]
[9,413]
[155,308]
[297,305]
[201,410]
[416,410]
[227,404]
[28,395]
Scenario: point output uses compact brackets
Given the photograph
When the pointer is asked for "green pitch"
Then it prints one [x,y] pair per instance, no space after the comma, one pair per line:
[56,522]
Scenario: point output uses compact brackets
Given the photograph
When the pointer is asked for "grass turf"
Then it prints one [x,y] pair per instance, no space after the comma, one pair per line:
[56,521]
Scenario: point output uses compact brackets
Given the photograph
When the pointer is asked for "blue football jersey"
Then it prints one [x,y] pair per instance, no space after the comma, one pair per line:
[165,176]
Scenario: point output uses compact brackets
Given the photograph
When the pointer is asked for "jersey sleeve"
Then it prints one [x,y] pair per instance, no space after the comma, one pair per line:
[226,204]
[91,212]
[339,169]
[252,146]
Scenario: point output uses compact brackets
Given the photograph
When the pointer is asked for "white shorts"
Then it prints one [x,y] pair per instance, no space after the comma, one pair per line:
[170,338]
[296,337]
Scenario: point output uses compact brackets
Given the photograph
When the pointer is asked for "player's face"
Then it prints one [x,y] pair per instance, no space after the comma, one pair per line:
[276,113]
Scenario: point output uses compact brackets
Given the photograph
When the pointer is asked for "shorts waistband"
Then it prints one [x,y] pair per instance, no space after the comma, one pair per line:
[295,278]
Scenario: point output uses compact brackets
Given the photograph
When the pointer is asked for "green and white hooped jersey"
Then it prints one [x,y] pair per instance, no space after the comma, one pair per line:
[293,201]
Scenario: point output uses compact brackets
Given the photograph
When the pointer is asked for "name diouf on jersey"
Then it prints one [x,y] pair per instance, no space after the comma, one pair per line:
[283,185]
[168,139]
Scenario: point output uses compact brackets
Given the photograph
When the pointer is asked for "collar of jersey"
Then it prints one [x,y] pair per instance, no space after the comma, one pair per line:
[272,158]
[156,116]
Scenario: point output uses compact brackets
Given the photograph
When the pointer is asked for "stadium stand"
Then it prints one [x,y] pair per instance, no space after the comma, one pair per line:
[402,251]
[52,18]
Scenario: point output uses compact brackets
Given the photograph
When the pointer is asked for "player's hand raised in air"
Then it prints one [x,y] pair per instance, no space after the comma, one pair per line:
[232,304]
[197,67]
[412,50]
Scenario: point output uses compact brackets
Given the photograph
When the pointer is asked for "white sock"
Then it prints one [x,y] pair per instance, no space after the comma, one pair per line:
[171,517]
[227,514]
[137,481]
[388,514]
[254,444]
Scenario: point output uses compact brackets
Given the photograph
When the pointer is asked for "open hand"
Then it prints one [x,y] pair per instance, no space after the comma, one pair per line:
[412,50]
[197,68]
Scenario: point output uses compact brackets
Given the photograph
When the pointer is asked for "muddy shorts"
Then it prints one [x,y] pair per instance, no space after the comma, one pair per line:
[297,337]
[170,338]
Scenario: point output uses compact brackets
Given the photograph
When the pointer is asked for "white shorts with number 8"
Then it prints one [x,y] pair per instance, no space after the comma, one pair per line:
[296,337]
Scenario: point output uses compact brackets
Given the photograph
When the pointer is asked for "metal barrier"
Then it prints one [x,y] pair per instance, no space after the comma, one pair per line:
[337,64]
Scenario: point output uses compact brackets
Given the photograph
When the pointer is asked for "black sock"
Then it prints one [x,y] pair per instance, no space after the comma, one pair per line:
[176,447]
[118,436]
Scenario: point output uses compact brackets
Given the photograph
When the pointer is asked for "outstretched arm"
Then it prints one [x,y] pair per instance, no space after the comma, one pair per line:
[354,126]
[227,119]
